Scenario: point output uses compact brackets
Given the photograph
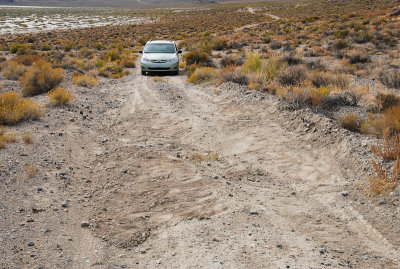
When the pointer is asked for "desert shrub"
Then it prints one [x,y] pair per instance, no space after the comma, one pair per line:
[291,59]
[197,57]
[356,58]
[377,123]
[390,78]
[60,96]
[342,33]
[219,44]
[113,55]
[390,148]
[204,74]
[253,63]
[275,44]
[340,44]
[40,78]
[128,62]
[27,137]
[84,80]
[113,70]
[293,75]
[20,49]
[363,37]
[234,60]
[319,79]
[383,182]
[27,60]
[350,122]
[13,70]
[316,96]
[235,75]
[45,47]
[14,108]
[387,100]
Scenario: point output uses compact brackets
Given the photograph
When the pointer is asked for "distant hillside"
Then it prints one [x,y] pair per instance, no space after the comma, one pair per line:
[102,3]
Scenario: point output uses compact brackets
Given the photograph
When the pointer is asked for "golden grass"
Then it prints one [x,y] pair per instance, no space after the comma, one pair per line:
[84,80]
[41,78]
[383,182]
[14,108]
[60,96]
[350,122]
[30,170]
[14,71]
[204,74]
[390,148]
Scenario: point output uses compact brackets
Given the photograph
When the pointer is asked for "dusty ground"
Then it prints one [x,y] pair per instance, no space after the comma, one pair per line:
[145,174]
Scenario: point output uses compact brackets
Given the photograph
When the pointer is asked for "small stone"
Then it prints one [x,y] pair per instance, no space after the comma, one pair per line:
[65,203]
[253,213]
[85,224]
[382,202]
[279,246]
[31,244]
[345,193]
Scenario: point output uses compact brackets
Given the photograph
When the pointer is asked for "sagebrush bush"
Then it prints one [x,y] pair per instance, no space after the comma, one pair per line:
[230,73]
[20,49]
[350,122]
[84,80]
[197,57]
[204,74]
[390,78]
[234,60]
[13,70]
[253,63]
[40,78]
[60,96]
[293,75]
[27,60]
[14,108]
[377,123]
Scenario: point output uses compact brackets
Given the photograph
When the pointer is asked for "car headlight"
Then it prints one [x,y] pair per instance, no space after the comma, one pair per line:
[144,59]
[174,59]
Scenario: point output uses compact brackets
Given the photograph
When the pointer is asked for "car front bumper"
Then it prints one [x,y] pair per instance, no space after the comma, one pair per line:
[159,67]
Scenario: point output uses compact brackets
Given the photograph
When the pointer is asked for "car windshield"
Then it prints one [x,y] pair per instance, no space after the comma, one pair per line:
[160,48]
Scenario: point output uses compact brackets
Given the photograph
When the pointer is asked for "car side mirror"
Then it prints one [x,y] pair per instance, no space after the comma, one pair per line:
[141,51]
[179,51]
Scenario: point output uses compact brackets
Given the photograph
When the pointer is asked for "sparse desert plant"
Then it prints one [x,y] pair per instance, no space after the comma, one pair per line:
[233,60]
[377,123]
[113,55]
[204,74]
[41,78]
[20,49]
[358,57]
[84,80]
[293,75]
[383,182]
[390,149]
[253,63]
[27,60]
[159,79]
[30,170]
[198,57]
[350,122]
[390,78]
[14,108]
[60,96]
[45,47]
[230,73]
[27,137]
[14,71]
[387,100]
[316,96]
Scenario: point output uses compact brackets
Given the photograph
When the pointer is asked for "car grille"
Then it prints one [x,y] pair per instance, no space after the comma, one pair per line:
[158,61]
[161,68]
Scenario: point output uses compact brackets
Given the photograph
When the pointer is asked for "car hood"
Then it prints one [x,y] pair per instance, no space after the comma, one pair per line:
[159,56]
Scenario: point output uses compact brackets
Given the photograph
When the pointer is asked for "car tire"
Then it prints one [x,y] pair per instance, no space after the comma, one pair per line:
[143,73]
[175,73]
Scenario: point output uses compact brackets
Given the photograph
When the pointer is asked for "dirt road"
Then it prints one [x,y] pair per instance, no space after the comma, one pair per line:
[147,174]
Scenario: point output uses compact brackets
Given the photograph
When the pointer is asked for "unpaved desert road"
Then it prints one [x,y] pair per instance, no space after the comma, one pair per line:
[183,176]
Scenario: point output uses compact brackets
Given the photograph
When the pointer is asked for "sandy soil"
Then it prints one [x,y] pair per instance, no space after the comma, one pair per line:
[145,174]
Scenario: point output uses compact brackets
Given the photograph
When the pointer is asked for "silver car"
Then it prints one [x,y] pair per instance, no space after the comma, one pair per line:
[160,56]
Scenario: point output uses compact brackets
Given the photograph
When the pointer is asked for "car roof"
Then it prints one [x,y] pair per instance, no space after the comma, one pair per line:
[160,42]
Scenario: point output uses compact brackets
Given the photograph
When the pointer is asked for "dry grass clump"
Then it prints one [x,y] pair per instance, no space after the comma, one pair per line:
[350,122]
[387,100]
[14,71]
[6,137]
[27,60]
[14,108]
[390,149]
[390,78]
[27,137]
[377,123]
[41,78]
[197,57]
[204,74]
[60,96]
[159,79]
[384,182]
[233,60]
[30,170]
[293,75]
[84,80]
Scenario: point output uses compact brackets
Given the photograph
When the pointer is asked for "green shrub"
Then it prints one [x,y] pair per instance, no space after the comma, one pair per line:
[197,57]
